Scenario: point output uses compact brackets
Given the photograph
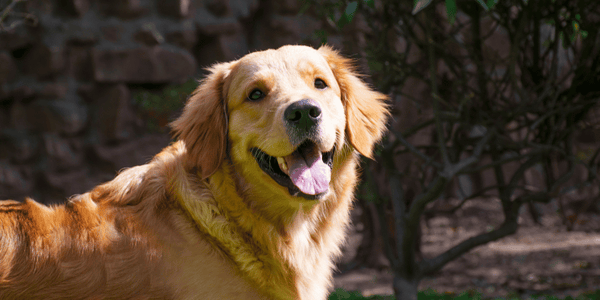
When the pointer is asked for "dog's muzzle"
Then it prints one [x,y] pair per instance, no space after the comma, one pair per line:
[306,172]
[302,120]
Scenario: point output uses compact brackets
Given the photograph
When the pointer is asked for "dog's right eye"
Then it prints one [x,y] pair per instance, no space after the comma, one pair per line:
[256,95]
[320,84]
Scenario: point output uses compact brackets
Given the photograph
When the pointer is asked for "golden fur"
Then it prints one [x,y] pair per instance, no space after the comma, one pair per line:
[202,220]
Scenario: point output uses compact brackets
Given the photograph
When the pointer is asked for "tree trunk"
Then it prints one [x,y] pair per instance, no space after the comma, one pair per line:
[404,288]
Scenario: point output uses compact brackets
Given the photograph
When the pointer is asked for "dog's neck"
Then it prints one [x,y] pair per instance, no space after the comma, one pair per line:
[244,237]
[304,226]
[260,246]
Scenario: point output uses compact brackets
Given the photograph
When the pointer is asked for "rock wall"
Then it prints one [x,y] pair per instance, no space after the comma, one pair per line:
[68,120]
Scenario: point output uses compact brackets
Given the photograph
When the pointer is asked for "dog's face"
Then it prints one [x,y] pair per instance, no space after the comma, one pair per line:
[282,116]
[286,117]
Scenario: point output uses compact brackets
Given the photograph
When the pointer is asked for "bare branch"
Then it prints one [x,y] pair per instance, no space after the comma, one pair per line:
[415,150]
[418,205]
[429,266]
[453,169]
[435,93]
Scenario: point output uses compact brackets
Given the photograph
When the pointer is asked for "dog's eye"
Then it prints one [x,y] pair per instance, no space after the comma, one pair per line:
[256,95]
[320,84]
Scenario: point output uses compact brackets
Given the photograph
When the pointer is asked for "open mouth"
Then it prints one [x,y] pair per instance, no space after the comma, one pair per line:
[306,172]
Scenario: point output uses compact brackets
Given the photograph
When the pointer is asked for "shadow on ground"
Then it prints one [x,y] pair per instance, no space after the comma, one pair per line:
[544,259]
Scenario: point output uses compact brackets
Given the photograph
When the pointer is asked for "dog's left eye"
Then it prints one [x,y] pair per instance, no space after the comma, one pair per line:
[320,84]
[256,95]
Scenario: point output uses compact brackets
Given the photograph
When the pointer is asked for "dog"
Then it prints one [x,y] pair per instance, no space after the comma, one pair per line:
[250,202]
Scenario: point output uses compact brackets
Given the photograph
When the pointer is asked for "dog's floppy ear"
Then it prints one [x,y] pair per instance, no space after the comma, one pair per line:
[203,123]
[366,110]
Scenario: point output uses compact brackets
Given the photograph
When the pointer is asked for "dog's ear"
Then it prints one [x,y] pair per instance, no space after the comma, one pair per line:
[203,123]
[366,110]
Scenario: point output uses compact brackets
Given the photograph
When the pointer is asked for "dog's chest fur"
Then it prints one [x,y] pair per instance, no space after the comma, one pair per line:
[294,262]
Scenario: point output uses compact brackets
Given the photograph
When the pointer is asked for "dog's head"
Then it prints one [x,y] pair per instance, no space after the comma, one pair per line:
[282,116]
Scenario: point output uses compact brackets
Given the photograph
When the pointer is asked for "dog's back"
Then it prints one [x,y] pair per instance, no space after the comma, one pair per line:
[122,240]
[83,249]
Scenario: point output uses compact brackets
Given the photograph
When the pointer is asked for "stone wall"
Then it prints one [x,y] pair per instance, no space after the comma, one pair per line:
[68,120]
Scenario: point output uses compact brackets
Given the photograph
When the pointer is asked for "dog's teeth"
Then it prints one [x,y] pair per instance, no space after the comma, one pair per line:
[282,164]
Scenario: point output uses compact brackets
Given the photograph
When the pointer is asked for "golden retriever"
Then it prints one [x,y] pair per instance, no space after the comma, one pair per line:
[251,201]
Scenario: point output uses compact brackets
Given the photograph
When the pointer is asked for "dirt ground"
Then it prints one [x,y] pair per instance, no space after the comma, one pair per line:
[544,259]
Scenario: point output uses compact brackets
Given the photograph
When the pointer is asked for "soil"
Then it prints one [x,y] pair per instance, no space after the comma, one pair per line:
[538,259]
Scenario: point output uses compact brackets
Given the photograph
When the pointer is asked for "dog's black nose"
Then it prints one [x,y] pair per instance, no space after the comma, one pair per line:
[303,115]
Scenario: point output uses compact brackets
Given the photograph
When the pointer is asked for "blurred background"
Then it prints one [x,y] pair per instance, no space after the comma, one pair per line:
[486,184]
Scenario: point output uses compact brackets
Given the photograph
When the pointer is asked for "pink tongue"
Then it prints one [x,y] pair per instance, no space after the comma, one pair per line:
[308,171]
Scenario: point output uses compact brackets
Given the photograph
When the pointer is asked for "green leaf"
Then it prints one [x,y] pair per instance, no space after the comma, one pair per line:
[350,10]
[576,26]
[451,10]
[561,37]
[304,8]
[483,5]
[370,3]
[491,3]
[348,14]
[547,43]
[420,5]
[375,66]
[321,35]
